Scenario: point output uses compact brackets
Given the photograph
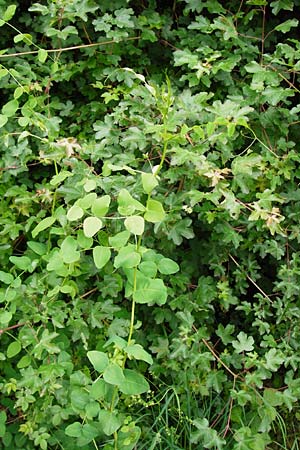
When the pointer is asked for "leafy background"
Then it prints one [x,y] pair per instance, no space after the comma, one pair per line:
[150,225]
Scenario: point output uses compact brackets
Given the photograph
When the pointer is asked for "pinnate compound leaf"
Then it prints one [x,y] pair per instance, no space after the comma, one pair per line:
[101,256]
[37,247]
[167,266]
[148,268]
[99,389]
[89,432]
[154,211]
[99,360]
[135,224]
[113,374]
[100,206]
[128,437]
[91,226]
[75,213]
[243,343]
[90,185]
[134,383]
[43,225]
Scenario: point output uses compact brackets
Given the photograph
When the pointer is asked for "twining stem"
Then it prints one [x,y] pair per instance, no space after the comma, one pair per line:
[131,330]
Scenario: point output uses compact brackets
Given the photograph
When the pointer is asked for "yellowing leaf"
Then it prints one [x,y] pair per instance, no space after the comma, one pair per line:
[135,224]
[75,213]
[101,256]
[91,226]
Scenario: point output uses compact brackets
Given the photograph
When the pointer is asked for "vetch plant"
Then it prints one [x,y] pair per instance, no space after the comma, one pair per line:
[149,225]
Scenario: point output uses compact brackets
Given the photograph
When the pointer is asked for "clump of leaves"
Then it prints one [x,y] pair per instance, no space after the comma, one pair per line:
[149,239]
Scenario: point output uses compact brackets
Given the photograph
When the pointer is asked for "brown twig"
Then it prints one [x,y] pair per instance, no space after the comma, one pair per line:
[65,49]
[251,279]
[3,330]
[88,293]
[235,375]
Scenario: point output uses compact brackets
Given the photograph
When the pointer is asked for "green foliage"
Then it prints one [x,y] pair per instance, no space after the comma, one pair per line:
[149,231]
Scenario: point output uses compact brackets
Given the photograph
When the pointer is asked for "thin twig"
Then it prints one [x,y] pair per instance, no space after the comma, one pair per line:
[65,49]
[235,375]
[3,330]
[252,281]
[88,293]
[229,414]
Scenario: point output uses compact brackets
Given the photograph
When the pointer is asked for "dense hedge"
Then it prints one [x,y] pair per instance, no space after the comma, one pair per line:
[150,264]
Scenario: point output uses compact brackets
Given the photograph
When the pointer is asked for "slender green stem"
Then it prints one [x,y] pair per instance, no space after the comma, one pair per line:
[96,446]
[131,328]
[165,133]
[164,153]
[116,440]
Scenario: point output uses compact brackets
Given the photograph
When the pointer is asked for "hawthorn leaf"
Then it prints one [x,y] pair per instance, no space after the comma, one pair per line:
[243,343]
